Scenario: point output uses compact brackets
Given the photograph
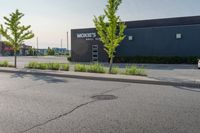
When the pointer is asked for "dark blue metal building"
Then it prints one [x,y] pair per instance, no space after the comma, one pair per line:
[158,37]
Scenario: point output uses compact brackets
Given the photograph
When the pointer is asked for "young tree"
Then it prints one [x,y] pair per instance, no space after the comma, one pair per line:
[50,51]
[14,32]
[112,31]
[30,51]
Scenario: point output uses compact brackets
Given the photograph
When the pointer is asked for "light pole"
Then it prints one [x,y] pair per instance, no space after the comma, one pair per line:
[61,43]
[37,45]
[67,40]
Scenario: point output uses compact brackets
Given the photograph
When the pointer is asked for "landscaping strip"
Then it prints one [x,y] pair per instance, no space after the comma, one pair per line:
[5,64]
[102,77]
[48,66]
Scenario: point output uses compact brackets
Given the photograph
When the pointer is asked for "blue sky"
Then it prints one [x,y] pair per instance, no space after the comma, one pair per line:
[50,19]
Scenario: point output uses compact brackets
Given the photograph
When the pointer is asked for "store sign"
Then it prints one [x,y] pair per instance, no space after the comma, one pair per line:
[88,36]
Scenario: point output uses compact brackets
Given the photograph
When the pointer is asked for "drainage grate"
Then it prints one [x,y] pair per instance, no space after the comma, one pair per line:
[104,97]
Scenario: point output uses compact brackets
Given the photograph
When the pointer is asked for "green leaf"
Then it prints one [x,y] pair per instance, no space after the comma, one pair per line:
[111,32]
[14,32]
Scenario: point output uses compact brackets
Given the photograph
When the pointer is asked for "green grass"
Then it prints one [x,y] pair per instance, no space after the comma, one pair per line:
[115,70]
[32,65]
[53,66]
[42,66]
[80,68]
[92,68]
[96,68]
[134,70]
[48,66]
[36,65]
[4,64]
[64,67]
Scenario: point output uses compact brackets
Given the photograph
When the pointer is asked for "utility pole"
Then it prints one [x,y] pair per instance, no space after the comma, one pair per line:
[37,45]
[61,41]
[67,40]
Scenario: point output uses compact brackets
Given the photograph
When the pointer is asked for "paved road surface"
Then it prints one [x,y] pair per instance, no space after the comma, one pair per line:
[40,104]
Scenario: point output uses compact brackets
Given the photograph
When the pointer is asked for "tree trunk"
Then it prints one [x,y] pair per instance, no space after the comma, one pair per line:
[15,54]
[111,63]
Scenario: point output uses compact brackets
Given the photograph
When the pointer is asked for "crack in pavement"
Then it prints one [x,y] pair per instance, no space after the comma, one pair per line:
[65,114]
[74,109]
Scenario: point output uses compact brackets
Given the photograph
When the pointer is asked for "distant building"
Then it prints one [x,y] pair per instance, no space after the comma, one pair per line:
[42,51]
[24,51]
[6,50]
[60,50]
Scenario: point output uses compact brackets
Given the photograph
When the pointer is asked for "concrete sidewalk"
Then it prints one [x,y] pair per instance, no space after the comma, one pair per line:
[107,77]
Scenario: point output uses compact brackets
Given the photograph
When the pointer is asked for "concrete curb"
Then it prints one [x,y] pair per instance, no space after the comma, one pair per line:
[101,77]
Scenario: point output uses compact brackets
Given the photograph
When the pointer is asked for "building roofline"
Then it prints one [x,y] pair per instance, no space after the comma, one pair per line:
[92,28]
[174,21]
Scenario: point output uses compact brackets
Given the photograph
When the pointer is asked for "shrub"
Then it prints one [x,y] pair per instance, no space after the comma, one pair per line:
[53,66]
[42,66]
[64,67]
[4,64]
[49,66]
[11,65]
[157,59]
[96,68]
[80,68]
[32,65]
[115,70]
[133,70]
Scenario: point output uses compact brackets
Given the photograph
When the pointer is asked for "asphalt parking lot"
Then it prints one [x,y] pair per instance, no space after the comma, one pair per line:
[42,104]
